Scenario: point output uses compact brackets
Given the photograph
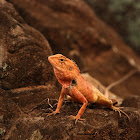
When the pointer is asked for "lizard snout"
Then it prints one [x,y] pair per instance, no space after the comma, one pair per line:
[50,58]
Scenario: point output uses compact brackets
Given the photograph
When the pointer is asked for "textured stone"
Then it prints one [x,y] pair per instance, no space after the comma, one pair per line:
[23,52]
[100,122]
[132,101]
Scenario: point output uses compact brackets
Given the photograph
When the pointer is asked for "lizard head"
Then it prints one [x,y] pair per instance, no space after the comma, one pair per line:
[64,68]
[63,64]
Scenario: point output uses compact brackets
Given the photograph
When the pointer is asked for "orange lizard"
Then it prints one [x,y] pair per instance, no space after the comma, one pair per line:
[74,85]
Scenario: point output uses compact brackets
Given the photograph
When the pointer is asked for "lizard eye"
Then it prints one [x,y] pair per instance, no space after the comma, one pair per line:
[61,59]
[70,69]
[74,82]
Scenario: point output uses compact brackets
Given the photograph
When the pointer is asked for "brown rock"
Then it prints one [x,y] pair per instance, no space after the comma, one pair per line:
[132,101]
[25,118]
[9,113]
[100,123]
[23,52]
[73,29]
[20,105]
[29,98]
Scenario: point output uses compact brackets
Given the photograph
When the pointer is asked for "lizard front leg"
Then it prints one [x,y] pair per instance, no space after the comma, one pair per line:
[78,95]
[60,102]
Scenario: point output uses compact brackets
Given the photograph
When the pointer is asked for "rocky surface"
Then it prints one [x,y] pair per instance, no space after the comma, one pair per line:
[25,71]
[32,124]
[24,51]
[132,101]
[73,29]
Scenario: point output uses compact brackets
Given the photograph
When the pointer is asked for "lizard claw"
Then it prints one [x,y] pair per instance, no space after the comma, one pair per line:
[52,113]
[117,109]
[76,118]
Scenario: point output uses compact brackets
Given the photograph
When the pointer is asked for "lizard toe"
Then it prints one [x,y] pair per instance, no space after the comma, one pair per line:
[76,118]
[52,113]
[117,109]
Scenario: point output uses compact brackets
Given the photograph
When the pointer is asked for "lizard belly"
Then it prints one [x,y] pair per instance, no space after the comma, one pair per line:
[91,93]
[71,95]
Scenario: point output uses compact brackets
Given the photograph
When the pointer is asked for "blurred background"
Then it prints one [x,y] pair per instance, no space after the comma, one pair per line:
[123,16]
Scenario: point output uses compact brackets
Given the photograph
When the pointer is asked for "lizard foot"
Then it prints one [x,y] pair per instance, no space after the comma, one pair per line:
[76,118]
[117,109]
[52,113]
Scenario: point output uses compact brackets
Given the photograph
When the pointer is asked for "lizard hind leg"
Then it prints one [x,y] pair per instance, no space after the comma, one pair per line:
[105,101]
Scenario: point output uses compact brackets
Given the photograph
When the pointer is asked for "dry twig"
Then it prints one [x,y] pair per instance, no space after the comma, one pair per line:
[129,74]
